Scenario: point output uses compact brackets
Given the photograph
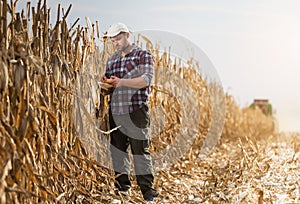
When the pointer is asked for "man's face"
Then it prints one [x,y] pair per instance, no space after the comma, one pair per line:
[120,41]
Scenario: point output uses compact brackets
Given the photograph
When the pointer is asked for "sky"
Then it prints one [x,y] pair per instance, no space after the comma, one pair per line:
[254,44]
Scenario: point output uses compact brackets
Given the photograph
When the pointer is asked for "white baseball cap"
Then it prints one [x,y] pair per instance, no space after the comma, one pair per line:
[115,29]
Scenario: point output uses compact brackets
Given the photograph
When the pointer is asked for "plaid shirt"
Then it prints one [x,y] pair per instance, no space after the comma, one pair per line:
[137,63]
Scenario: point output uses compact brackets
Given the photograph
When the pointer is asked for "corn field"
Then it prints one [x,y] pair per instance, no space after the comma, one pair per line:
[54,124]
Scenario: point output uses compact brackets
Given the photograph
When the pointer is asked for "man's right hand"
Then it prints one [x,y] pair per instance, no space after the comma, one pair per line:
[103,79]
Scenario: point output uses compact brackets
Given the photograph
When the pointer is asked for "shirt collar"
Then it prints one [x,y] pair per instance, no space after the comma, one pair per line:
[134,47]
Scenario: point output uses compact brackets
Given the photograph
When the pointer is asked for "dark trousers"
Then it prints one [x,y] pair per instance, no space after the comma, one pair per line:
[133,133]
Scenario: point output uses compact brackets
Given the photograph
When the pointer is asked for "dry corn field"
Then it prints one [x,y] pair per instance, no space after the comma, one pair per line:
[54,130]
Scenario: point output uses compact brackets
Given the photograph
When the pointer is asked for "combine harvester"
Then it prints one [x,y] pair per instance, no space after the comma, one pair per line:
[267,110]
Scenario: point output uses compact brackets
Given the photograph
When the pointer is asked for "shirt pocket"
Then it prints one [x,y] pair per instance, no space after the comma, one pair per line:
[132,66]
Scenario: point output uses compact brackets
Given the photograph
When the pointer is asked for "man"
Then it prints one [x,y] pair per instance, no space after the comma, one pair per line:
[130,70]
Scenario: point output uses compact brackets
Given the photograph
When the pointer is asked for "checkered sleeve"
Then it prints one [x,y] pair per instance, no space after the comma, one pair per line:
[108,70]
[146,67]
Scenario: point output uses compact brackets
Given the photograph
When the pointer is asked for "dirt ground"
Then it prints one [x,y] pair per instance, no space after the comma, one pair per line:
[240,171]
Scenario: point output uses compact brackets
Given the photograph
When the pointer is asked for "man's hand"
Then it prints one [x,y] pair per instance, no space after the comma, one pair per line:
[103,79]
[115,81]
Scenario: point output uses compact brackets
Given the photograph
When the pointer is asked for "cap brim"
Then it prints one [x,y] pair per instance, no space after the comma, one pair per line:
[115,34]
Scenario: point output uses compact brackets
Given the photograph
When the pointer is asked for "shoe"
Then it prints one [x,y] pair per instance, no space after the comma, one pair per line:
[149,199]
[150,195]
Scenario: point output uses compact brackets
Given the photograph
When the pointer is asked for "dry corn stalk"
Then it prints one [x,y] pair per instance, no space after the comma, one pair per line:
[49,99]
